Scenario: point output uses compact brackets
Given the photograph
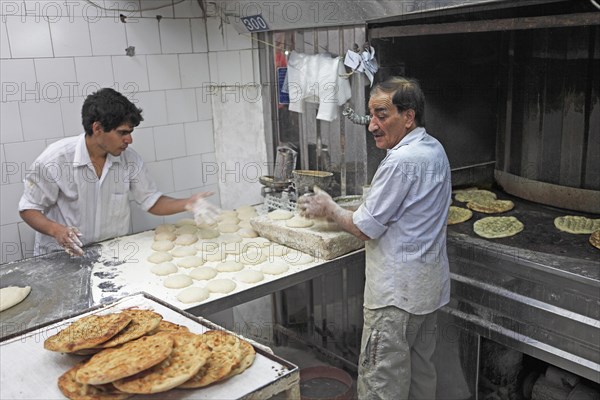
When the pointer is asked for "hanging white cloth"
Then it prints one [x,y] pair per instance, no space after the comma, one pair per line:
[316,78]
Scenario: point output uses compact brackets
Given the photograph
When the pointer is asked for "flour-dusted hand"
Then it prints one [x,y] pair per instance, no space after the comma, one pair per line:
[204,212]
[68,238]
[317,204]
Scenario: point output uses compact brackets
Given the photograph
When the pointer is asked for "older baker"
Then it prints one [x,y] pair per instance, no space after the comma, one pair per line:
[403,223]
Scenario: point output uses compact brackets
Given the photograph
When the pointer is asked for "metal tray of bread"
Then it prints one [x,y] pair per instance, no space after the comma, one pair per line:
[28,371]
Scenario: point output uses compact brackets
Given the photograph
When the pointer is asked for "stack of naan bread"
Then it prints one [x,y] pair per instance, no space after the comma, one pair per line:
[137,352]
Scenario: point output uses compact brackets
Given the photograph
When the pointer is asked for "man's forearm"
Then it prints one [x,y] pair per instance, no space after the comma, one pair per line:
[344,219]
[166,205]
[38,221]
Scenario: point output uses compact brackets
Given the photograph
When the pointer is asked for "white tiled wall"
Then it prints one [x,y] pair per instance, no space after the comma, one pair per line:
[53,54]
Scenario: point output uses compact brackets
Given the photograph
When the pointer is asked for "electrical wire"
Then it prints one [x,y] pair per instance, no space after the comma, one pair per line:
[140,10]
[595,4]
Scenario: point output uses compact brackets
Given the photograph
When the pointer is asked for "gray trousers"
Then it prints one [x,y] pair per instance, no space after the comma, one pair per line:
[396,355]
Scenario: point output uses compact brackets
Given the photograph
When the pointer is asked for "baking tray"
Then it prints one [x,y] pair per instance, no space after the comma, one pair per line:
[28,371]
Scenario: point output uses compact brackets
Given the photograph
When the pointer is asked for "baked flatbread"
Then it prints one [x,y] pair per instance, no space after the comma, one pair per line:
[225,356]
[490,206]
[595,239]
[188,356]
[577,224]
[79,391]
[248,356]
[497,227]
[117,363]
[167,326]
[142,322]
[456,215]
[87,332]
[464,196]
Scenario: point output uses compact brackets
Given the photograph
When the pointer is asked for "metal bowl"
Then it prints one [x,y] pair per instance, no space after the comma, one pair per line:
[268,181]
[305,180]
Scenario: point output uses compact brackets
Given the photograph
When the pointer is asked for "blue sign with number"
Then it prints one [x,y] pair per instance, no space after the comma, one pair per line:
[283,95]
[255,23]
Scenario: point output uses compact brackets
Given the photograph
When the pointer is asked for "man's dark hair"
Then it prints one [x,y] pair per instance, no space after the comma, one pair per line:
[406,94]
[111,109]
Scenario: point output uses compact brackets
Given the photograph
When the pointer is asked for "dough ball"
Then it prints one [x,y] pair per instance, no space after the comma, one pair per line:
[245,209]
[186,230]
[278,250]
[190,262]
[162,245]
[298,258]
[229,220]
[227,214]
[213,253]
[221,286]
[193,295]
[253,256]
[228,227]
[162,269]
[245,225]
[247,215]
[185,221]
[186,239]
[298,221]
[229,238]
[208,233]
[274,268]
[230,266]
[159,236]
[13,295]
[278,215]
[178,281]
[208,226]
[249,276]
[247,233]
[232,248]
[203,273]
[165,228]
[183,251]
[160,257]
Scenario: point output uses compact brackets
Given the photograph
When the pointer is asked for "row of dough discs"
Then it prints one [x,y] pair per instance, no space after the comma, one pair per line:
[194,258]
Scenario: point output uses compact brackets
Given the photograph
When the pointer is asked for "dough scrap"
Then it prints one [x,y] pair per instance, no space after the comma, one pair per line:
[221,286]
[249,276]
[186,239]
[178,281]
[162,269]
[203,273]
[162,245]
[183,251]
[298,221]
[191,262]
[12,295]
[193,295]
[279,215]
[159,257]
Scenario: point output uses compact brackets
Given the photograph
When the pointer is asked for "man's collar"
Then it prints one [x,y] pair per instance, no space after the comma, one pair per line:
[413,136]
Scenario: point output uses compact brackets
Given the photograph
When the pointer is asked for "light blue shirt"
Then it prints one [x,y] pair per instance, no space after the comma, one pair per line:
[405,215]
[62,183]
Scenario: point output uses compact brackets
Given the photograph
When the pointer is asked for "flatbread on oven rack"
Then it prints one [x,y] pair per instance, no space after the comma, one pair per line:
[464,196]
[490,206]
[456,215]
[577,224]
[595,239]
[497,227]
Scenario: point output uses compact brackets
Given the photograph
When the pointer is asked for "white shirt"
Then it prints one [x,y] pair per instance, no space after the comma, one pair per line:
[316,78]
[405,216]
[62,183]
